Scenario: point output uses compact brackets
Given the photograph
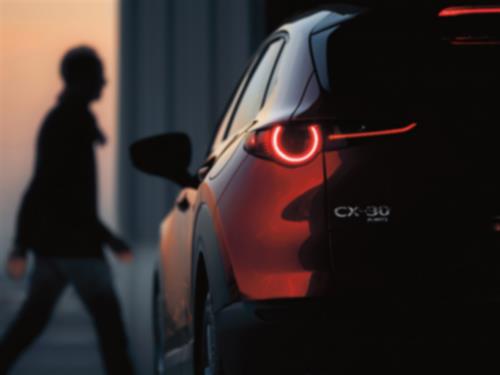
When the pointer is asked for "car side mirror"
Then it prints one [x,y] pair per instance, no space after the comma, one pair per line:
[166,155]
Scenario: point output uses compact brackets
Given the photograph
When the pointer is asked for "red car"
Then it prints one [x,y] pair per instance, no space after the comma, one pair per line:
[346,217]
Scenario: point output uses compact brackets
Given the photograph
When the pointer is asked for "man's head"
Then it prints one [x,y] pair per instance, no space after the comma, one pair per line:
[82,72]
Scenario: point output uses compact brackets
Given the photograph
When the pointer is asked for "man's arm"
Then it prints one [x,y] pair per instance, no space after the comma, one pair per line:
[30,206]
[16,262]
[25,224]
[119,247]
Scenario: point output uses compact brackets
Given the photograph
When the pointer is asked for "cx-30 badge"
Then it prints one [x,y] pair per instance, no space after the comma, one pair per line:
[372,214]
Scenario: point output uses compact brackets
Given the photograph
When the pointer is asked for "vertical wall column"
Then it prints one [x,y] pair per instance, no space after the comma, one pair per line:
[143,91]
[180,61]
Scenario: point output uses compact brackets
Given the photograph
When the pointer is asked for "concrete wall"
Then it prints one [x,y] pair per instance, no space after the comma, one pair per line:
[180,61]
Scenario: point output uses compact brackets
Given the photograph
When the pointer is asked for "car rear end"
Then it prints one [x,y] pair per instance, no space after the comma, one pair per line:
[411,126]
[397,256]
[411,115]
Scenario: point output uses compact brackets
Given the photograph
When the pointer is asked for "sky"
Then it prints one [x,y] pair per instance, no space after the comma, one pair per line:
[34,35]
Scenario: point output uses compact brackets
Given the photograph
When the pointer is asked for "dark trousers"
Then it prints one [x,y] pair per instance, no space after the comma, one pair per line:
[91,278]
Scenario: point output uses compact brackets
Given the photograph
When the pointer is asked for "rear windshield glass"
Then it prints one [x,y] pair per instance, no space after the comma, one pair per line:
[398,68]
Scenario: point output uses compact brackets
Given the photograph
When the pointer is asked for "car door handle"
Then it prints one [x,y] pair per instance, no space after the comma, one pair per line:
[205,168]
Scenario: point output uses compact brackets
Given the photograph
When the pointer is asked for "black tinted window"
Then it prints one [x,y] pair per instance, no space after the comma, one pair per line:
[254,94]
[393,68]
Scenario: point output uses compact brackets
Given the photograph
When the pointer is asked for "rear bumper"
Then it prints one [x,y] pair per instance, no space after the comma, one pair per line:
[316,336]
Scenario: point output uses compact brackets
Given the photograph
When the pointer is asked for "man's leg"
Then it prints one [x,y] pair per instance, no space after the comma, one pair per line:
[93,283]
[46,286]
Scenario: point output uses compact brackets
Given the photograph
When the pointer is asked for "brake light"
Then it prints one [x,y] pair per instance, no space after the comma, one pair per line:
[310,148]
[291,145]
[469,10]
[299,144]
[374,133]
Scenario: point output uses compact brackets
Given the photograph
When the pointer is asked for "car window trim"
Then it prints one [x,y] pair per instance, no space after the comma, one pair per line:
[255,63]
[271,76]
[231,102]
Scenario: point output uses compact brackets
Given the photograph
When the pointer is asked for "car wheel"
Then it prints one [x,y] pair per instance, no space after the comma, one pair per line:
[211,361]
[159,329]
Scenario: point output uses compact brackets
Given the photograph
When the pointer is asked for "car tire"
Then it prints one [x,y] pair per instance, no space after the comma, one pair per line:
[158,328]
[210,355]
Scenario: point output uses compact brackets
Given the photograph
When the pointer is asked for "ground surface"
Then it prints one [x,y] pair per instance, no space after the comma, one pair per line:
[69,345]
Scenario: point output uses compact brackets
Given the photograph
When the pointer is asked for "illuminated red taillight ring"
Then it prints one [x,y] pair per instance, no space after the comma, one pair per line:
[308,154]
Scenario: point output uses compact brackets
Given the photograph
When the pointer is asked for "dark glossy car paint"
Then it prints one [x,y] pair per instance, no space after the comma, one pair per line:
[399,205]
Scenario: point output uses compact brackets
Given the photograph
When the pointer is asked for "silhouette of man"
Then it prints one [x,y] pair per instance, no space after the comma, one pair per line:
[58,222]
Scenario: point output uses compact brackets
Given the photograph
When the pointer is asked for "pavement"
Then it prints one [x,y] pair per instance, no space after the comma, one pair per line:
[69,344]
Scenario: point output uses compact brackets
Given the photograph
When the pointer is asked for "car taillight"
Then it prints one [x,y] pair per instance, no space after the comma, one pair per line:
[373,133]
[287,145]
[469,10]
[471,25]
[297,145]
[351,133]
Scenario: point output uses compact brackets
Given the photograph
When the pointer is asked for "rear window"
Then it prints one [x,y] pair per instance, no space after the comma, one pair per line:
[398,67]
